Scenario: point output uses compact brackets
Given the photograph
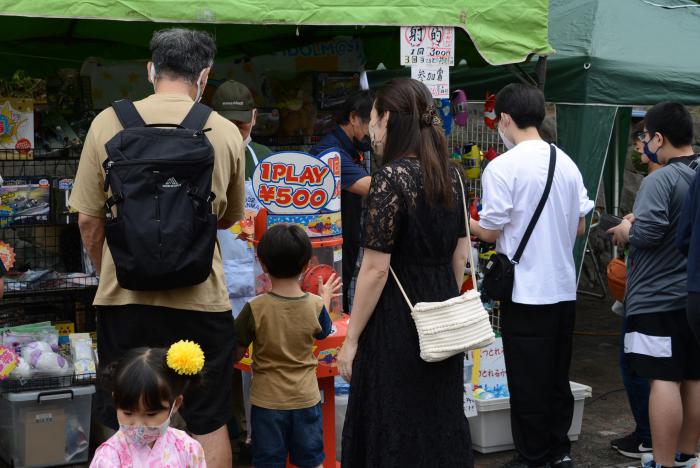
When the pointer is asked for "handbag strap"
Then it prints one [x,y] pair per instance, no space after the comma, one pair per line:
[540,206]
[469,248]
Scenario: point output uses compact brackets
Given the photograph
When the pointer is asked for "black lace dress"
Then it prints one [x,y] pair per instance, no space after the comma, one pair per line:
[404,412]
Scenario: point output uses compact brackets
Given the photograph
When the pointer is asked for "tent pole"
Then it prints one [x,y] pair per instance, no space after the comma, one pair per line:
[616,175]
[541,71]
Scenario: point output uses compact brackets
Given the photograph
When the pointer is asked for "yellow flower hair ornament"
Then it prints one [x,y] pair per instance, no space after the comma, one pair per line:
[185,357]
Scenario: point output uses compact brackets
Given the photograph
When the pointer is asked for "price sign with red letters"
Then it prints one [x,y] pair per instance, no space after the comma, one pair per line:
[295,183]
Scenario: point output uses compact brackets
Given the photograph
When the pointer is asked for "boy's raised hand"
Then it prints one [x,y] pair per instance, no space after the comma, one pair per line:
[329,289]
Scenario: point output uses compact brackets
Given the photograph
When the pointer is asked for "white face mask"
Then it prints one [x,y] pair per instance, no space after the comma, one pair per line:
[200,91]
[146,435]
[509,144]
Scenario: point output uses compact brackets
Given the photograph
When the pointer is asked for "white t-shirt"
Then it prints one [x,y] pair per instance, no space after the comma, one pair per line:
[512,186]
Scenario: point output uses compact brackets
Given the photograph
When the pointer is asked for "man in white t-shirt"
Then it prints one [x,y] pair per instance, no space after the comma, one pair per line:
[537,325]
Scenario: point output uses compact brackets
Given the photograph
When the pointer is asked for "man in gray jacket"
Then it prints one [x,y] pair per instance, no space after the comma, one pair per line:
[658,341]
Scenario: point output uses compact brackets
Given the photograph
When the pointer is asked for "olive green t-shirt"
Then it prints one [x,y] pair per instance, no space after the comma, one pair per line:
[88,197]
[283,330]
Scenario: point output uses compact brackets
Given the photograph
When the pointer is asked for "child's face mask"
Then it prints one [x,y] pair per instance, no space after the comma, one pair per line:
[146,435]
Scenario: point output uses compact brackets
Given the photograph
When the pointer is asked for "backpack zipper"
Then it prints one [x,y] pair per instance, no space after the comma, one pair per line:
[157,202]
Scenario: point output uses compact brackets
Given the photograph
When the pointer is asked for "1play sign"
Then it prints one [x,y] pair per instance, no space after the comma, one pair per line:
[294,183]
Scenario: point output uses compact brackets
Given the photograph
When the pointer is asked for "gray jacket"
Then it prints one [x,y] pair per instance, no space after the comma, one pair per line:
[656,271]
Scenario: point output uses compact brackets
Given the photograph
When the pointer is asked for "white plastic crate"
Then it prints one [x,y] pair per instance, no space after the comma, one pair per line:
[45,428]
[490,428]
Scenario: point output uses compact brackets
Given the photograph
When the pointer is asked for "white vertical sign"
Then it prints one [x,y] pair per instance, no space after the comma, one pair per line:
[437,79]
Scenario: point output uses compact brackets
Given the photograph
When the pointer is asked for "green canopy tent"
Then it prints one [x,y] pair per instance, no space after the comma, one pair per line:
[610,55]
[41,36]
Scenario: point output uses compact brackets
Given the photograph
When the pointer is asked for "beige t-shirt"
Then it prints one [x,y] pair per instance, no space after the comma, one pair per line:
[89,198]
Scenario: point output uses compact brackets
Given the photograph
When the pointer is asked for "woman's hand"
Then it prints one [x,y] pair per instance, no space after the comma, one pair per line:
[345,358]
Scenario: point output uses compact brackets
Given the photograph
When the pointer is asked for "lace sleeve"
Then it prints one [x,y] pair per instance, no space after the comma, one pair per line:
[383,213]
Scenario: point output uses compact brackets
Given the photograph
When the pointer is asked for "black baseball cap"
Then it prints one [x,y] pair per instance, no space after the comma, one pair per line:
[234,101]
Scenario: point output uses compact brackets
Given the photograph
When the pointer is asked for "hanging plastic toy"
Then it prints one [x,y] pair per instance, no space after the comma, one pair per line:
[459,107]
[489,112]
[443,107]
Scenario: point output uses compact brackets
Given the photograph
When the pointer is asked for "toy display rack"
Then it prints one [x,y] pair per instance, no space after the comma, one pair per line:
[476,132]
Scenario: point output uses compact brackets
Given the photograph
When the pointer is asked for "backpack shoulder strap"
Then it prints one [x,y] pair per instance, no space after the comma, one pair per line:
[197,117]
[127,114]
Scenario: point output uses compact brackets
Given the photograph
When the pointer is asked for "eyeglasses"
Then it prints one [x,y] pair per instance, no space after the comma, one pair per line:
[640,135]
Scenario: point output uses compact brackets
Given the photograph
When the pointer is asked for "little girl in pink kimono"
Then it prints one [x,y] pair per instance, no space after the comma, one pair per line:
[148,385]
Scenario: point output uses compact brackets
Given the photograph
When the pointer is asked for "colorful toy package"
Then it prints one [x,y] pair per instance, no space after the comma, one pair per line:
[25,201]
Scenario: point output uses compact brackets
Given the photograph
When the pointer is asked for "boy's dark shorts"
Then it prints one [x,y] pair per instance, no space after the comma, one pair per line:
[278,432]
[120,328]
[661,346]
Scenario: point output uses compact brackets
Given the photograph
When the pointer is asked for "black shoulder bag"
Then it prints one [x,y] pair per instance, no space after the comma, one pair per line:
[500,270]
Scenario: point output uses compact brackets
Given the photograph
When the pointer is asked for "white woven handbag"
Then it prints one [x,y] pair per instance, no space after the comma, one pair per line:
[453,326]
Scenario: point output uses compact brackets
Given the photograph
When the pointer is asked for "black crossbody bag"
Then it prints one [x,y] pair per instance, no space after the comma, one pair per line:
[500,270]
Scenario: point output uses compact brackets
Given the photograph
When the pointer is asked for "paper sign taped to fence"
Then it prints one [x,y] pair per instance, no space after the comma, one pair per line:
[469,403]
[437,79]
[427,45]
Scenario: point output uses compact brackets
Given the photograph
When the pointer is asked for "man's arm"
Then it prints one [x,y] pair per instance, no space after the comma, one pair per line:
[92,231]
[486,235]
[497,204]
[581,229]
[361,187]
[684,232]
[651,209]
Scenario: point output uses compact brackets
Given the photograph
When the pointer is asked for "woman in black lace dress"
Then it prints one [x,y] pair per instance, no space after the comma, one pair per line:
[404,412]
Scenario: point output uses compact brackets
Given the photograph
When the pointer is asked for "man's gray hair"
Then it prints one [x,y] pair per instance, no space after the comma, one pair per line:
[182,53]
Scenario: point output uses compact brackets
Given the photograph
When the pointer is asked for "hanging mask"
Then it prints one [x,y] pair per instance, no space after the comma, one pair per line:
[444,109]
[146,435]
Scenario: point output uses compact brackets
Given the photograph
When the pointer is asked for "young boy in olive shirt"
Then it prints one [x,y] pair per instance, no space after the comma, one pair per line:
[282,325]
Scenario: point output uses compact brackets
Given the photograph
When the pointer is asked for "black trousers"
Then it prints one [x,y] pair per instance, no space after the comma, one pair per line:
[537,342]
[694,313]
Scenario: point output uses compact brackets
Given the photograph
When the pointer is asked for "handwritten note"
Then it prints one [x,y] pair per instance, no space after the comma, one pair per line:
[427,45]
[469,402]
[437,79]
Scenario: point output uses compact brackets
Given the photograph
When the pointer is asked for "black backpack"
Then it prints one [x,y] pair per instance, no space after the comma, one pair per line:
[163,233]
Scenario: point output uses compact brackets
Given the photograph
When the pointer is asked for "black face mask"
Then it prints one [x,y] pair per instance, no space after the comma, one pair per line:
[363,145]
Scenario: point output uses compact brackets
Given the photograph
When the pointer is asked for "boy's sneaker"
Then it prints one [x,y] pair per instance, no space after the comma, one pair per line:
[648,461]
[687,461]
[631,446]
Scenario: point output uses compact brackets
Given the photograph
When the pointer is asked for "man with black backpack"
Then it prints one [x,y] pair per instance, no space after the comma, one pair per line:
[156,178]
[538,308]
